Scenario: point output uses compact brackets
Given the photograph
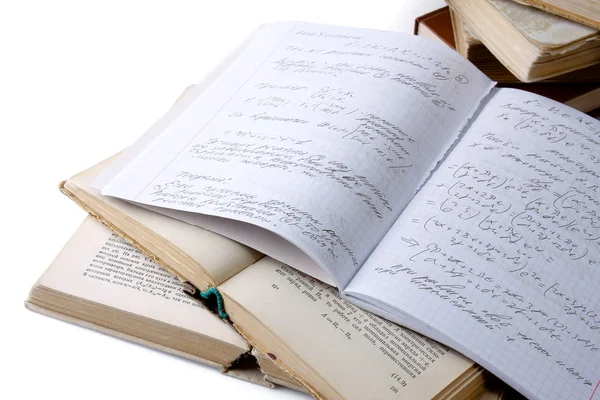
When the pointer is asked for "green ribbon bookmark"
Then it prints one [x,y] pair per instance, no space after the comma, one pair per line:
[212,291]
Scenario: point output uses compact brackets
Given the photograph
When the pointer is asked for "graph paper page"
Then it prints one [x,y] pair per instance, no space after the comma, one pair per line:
[318,135]
[499,252]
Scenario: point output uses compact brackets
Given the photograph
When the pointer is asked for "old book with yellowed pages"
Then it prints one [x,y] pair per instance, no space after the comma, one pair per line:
[470,46]
[532,44]
[443,25]
[388,167]
[102,282]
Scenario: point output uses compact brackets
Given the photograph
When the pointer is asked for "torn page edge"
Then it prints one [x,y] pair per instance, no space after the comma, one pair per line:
[313,392]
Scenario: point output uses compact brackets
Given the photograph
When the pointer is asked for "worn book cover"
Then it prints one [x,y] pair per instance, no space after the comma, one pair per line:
[531,44]
[445,26]
[586,12]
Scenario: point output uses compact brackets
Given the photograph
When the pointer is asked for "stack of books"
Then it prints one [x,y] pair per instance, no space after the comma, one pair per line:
[526,47]
[360,214]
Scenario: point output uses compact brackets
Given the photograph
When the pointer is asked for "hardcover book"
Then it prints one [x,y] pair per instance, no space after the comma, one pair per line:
[102,282]
[447,27]
[532,44]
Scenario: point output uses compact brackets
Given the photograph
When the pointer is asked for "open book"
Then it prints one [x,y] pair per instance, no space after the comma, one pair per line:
[381,163]
[101,282]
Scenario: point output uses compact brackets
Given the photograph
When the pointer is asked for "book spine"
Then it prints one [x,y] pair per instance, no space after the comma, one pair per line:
[210,298]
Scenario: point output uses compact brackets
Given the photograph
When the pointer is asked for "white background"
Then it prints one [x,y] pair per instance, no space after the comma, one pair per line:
[79,81]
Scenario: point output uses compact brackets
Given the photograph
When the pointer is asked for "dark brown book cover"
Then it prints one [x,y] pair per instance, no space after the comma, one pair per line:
[438,22]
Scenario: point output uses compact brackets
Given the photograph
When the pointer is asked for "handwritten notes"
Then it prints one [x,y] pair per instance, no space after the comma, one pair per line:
[500,250]
[319,134]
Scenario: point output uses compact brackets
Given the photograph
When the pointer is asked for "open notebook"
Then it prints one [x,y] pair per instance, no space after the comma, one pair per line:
[384,164]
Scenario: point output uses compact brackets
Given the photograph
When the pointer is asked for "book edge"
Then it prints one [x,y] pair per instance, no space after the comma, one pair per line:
[550,9]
